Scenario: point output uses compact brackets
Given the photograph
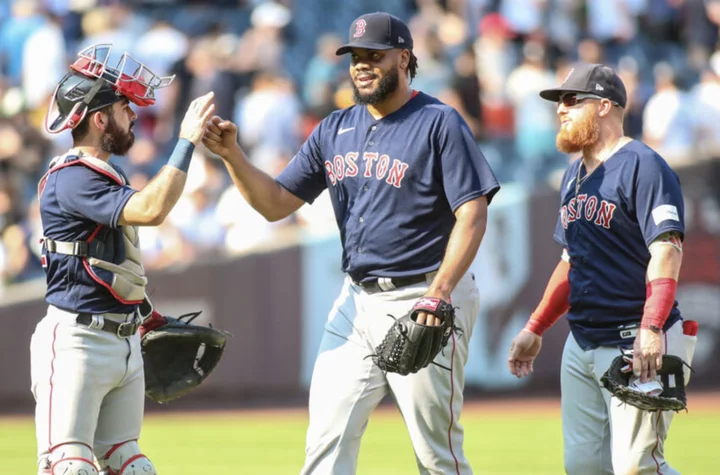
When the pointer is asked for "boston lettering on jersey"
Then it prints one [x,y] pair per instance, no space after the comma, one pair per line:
[600,215]
[394,183]
[375,165]
[627,202]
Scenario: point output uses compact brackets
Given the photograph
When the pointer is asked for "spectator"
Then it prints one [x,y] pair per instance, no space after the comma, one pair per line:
[273,68]
[667,118]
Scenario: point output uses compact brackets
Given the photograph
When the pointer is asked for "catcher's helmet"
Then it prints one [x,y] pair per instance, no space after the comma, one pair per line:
[91,85]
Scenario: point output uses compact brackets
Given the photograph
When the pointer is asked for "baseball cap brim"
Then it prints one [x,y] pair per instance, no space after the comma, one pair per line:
[554,95]
[361,44]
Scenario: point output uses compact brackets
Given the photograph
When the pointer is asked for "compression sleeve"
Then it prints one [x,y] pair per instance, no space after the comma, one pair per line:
[555,302]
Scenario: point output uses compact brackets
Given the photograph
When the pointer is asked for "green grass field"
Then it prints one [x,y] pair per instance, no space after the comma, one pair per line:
[500,441]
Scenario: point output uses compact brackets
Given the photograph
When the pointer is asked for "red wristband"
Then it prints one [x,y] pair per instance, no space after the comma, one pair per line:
[555,302]
[659,302]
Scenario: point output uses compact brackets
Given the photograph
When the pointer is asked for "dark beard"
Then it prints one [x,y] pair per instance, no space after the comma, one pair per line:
[585,135]
[115,141]
[386,86]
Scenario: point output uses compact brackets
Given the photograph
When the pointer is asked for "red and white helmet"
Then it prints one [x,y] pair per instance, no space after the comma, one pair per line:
[92,84]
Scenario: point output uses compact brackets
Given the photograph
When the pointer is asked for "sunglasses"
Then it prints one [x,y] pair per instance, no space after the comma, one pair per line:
[569,100]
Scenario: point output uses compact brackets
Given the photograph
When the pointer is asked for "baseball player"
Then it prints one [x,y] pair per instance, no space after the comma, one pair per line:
[87,369]
[621,229]
[410,191]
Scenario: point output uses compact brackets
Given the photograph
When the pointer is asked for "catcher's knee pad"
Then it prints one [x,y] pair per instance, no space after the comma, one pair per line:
[72,459]
[126,459]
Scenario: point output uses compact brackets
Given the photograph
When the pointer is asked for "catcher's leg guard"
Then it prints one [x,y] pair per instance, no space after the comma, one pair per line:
[72,459]
[126,459]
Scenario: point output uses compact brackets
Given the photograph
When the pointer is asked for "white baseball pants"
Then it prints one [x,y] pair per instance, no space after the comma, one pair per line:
[346,385]
[88,384]
[602,435]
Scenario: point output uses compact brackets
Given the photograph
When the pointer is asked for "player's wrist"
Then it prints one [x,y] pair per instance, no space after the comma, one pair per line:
[182,155]
[651,326]
[536,325]
[659,303]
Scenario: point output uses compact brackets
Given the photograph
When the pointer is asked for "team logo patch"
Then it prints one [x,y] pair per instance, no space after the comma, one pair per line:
[665,212]
[360,28]
[428,302]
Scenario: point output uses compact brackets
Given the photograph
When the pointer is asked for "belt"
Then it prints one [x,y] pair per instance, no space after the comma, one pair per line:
[99,322]
[384,284]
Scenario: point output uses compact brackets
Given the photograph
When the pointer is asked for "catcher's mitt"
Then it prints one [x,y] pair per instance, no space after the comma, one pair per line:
[179,355]
[409,346]
[617,380]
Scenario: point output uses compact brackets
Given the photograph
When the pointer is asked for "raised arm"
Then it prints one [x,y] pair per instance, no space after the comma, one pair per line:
[151,205]
[258,188]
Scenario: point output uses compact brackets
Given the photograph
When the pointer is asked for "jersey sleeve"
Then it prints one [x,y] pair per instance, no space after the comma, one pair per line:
[304,176]
[86,194]
[466,173]
[658,199]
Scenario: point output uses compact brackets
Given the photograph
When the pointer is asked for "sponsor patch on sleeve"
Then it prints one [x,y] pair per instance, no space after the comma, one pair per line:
[665,212]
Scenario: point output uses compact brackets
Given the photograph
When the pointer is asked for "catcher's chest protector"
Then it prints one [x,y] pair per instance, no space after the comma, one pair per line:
[127,280]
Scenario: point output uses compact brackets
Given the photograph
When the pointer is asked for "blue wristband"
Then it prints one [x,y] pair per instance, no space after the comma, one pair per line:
[182,155]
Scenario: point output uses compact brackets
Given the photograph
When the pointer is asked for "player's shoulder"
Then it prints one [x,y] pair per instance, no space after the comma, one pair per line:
[645,158]
[74,171]
[341,116]
[433,106]
[119,171]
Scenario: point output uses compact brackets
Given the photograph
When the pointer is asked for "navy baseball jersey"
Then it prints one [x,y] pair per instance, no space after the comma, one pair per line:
[394,183]
[606,224]
[73,202]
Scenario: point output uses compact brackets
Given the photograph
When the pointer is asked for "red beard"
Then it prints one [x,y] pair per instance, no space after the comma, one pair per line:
[579,136]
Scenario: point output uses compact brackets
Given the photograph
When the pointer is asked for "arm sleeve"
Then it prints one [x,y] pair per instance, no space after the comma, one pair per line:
[659,205]
[466,173]
[86,194]
[304,176]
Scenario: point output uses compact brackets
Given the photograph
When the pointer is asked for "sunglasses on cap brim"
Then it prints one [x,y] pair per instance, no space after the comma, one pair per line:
[574,98]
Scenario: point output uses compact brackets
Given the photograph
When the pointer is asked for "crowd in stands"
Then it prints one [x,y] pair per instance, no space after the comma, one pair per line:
[273,68]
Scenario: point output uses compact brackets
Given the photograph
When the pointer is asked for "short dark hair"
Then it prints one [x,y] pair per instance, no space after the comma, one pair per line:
[81,130]
[412,66]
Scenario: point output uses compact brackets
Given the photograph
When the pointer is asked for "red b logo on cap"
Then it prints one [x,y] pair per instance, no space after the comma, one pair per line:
[360,28]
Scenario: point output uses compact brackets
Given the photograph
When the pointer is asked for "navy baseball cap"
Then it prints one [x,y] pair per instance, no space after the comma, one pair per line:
[380,31]
[596,79]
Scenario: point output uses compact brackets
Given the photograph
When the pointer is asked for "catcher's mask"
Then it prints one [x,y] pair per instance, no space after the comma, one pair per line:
[92,84]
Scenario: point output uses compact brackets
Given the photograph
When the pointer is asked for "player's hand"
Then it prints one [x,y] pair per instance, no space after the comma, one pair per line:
[220,137]
[429,319]
[647,354]
[197,115]
[155,320]
[523,350]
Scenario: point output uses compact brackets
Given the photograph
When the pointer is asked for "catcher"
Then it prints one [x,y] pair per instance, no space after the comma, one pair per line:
[86,354]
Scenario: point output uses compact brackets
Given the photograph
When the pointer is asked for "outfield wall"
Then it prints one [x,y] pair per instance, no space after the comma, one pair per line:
[275,302]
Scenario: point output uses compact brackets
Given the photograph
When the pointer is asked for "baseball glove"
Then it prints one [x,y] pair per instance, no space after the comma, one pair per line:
[617,380]
[409,346]
[178,356]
